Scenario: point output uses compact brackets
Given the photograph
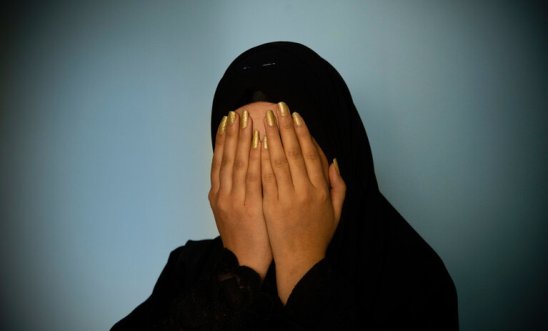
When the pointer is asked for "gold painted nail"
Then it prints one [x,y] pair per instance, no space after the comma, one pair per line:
[270,119]
[336,164]
[265,143]
[255,139]
[297,119]
[284,110]
[222,125]
[231,117]
[244,119]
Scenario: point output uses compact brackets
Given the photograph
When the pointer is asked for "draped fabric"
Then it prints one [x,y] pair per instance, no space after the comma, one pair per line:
[378,274]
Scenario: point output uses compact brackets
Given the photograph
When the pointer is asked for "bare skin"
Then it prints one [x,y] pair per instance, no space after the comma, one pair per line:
[278,199]
[236,194]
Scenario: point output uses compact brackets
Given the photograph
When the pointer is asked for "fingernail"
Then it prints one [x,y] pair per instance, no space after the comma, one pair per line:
[244,119]
[270,119]
[222,125]
[336,164]
[265,143]
[255,139]
[231,117]
[297,119]
[284,110]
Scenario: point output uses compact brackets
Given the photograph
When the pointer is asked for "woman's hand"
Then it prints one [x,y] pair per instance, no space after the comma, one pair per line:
[302,203]
[236,194]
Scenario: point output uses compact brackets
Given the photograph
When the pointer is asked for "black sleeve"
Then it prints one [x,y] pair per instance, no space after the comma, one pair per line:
[325,300]
[322,300]
[202,287]
[229,298]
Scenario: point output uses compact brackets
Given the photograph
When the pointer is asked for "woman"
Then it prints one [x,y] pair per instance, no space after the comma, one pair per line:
[300,247]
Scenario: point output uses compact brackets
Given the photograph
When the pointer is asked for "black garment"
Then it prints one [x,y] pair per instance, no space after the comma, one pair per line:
[379,274]
[203,288]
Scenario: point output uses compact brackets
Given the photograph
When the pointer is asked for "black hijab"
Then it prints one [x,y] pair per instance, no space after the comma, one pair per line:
[373,246]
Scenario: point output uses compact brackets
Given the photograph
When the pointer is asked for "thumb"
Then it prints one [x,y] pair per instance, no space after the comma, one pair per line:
[338,189]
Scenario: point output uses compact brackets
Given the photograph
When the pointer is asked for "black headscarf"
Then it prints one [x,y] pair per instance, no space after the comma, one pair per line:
[373,246]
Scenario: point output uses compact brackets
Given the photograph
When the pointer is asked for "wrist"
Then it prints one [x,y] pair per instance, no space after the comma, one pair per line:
[259,266]
[295,262]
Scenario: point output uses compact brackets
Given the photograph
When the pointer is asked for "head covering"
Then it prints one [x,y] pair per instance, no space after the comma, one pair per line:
[373,245]
[293,73]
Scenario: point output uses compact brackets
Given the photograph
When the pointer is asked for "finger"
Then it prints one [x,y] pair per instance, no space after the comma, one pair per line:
[325,163]
[311,156]
[278,161]
[338,189]
[270,186]
[253,189]
[291,147]
[241,160]
[218,155]
[229,152]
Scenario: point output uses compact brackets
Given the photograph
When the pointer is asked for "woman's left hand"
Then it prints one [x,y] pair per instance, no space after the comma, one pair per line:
[301,202]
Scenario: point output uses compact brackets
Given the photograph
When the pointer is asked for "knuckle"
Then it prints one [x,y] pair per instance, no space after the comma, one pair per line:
[254,155]
[285,125]
[311,156]
[304,196]
[226,162]
[239,164]
[250,213]
[230,132]
[252,177]
[302,132]
[322,195]
[303,199]
[216,163]
[219,141]
[293,153]
[222,204]
[269,204]
[279,162]
[268,177]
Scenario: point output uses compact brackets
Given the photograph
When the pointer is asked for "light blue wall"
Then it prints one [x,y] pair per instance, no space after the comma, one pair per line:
[105,149]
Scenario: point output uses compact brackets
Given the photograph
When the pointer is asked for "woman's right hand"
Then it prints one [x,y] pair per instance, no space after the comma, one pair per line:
[236,194]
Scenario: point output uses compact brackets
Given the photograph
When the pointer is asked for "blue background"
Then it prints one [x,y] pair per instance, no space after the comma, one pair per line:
[105,145]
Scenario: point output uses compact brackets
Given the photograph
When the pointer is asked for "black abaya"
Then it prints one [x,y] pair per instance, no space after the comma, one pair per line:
[379,274]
